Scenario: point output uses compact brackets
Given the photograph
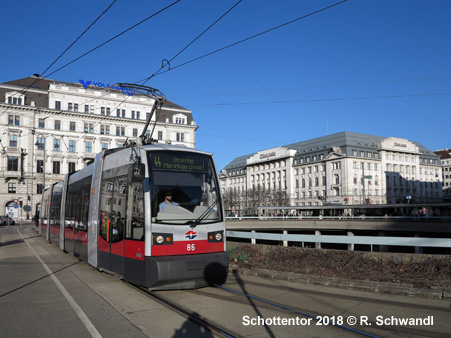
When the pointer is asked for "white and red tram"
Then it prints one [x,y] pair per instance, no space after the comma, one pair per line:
[109,215]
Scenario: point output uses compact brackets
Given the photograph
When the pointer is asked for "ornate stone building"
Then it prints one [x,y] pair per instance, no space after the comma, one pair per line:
[343,168]
[70,123]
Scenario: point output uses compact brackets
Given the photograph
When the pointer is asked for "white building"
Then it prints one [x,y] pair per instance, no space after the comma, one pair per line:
[445,158]
[344,167]
[73,121]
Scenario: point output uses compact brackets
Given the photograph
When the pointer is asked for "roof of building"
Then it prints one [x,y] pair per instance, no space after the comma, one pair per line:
[347,141]
[443,153]
[38,92]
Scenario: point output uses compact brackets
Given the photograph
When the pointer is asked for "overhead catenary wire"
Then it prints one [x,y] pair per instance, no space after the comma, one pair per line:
[115,37]
[317,87]
[42,74]
[321,100]
[189,44]
[249,38]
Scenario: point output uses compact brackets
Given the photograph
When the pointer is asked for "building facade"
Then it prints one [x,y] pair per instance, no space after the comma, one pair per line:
[347,168]
[445,158]
[56,128]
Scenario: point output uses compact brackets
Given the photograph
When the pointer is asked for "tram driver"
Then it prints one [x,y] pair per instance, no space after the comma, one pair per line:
[168,202]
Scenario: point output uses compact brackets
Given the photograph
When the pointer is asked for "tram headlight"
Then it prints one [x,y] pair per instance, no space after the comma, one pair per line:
[216,236]
[162,239]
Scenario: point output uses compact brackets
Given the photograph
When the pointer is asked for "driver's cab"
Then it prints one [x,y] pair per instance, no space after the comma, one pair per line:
[183,194]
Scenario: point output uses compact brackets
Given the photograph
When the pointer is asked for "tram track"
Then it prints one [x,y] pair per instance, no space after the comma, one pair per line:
[192,316]
[236,298]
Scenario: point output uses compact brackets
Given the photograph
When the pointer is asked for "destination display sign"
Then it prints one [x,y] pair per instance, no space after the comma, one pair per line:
[178,161]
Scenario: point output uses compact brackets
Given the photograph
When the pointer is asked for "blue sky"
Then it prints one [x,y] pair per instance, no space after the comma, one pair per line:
[375,67]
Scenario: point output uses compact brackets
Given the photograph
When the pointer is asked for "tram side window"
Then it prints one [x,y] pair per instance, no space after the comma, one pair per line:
[77,205]
[135,212]
[112,209]
[55,209]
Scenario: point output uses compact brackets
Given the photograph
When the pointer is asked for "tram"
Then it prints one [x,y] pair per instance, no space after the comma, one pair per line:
[112,214]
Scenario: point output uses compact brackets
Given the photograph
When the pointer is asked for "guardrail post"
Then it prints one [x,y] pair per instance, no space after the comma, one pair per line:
[285,243]
[253,240]
[382,248]
[318,244]
[418,249]
[351,245]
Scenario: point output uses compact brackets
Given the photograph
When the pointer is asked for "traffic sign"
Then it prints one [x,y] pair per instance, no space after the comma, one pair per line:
[16,205]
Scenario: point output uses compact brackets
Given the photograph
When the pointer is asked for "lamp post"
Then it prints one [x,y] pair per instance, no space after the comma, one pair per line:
[43,182]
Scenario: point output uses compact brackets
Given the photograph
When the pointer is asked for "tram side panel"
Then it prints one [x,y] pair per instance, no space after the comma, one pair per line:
[45,213]
[55,212]
[76,213]
[121,221]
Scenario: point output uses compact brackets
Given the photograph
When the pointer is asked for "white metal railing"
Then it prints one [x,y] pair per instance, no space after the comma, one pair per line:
[407,218]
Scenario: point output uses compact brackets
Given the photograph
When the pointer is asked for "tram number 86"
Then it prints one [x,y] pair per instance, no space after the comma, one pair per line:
[190,247]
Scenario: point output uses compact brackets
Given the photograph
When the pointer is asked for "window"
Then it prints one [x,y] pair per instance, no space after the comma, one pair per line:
[88,147]
[56,167]
[13,141]
[13,163]
[14,120]
[104,129]
[179,120]
[123,112]
[120,131]
[57,104]
[71,167]
[57,145]
[102,110]
[11,188]
[41,124]
[57,125]
[135,132]
[39,166]
[118,112]
[76,107]
[86,108]
[336,179]
[70,106]
[104,146]
[108,111]
[137,115]
[41,143]
[72,126]
[133,114]
[89,128]
[160,135]
[72,146]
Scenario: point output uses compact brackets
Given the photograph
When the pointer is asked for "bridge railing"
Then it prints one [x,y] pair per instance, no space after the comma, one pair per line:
[340,239]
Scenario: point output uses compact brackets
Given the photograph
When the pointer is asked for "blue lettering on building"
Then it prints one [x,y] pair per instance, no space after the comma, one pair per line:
[125,91]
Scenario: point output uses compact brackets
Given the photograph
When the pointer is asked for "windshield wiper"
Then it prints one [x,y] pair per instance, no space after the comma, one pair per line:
[205,214]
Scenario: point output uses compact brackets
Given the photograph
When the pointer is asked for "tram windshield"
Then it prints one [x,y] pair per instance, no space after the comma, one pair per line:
[184,188]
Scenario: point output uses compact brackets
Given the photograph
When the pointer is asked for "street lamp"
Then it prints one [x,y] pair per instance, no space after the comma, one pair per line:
[40,147]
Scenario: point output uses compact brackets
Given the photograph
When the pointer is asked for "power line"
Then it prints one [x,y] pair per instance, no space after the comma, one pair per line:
[321,100]
[115,37]
[251,37]
[64,52]
[317,87]
[169,62]
[78,38]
